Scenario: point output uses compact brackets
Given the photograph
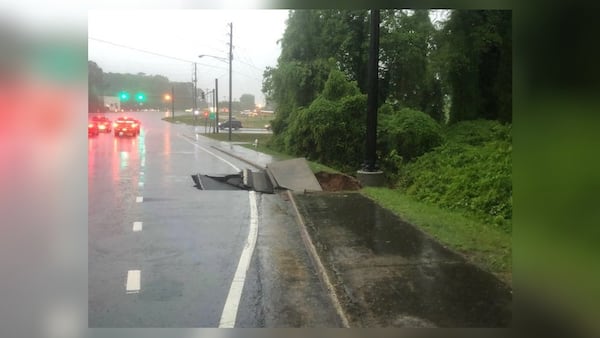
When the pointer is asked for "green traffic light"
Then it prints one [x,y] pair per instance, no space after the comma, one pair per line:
[124,96]
[140,97]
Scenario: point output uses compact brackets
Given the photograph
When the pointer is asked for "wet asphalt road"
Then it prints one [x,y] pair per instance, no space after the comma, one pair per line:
[163,254]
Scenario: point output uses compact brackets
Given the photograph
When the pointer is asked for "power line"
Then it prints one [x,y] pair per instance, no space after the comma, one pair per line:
[140,50]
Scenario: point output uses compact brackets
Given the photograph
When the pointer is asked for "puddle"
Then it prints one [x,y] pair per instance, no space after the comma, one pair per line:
[390,274]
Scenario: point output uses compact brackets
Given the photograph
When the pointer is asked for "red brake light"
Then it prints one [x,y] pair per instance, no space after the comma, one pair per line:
[91,125]
[134,125]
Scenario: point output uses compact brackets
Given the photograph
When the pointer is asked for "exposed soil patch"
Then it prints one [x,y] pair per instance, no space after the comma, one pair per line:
[337,182]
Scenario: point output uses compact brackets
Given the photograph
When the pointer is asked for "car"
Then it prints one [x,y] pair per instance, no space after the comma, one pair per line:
[93,129]
[235,124]
[126,126]
[104,123]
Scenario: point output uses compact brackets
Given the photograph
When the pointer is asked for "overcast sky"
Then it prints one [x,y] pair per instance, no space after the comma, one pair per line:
[185,34]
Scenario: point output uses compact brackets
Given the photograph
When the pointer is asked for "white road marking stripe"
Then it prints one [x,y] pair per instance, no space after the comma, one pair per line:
[133,281]
[139,199]
[213,154]
[137,226]
[237,285]
[141,184]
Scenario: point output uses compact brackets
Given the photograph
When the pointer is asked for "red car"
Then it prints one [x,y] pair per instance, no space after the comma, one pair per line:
[104,123]
[93,129]
[126,126]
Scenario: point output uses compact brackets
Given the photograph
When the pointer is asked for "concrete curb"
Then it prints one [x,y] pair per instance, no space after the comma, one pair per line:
[316,260]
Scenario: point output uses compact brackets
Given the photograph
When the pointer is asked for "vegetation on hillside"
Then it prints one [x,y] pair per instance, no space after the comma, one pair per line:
[444,133]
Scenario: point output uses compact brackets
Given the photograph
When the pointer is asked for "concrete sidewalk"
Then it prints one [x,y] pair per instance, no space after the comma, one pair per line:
[384,272]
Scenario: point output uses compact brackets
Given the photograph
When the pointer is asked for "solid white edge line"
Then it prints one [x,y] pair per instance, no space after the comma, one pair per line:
[237,285]
[137,226]
[133,281]
[213,154]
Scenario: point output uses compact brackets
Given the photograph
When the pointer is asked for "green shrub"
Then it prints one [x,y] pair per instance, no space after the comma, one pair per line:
[331,129]
[472,171]
[410,133]
[328,132]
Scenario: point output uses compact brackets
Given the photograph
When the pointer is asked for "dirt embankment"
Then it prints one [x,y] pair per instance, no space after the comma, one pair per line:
[337,182]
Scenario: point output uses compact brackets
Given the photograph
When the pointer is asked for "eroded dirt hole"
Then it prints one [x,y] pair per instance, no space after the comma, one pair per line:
[337,182]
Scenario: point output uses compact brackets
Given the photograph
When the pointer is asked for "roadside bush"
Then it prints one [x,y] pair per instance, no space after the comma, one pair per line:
[328,132]
[410,133]
[331,129]
[472,171]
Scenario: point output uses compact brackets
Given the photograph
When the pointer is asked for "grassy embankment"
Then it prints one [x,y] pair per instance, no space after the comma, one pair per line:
[478,238]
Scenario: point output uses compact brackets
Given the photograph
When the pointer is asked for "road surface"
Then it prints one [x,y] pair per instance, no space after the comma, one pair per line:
[162,253]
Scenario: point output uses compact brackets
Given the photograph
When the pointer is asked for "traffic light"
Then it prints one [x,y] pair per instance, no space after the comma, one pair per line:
[124,96]
[205,114]
[140,97]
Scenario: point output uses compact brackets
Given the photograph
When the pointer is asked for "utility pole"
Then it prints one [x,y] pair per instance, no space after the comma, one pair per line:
[195,94]
[217,104]
[230,59]
[370,174]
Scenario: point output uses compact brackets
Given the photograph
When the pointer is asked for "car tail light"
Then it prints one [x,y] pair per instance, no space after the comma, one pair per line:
[102,127]
[134,125]
[91,125]
[115,124]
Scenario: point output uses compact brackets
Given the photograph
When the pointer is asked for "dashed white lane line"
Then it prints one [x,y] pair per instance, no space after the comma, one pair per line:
[133,283]
[137,226]
[237,285]
[139,199]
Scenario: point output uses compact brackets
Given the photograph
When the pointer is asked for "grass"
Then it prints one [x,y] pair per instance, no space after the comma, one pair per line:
[247,121]
[254,121]
[481,243]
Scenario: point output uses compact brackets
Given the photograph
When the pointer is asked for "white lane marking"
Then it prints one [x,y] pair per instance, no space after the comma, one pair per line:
[213,154]
[137,226]
[133,281]
[237,285]
[139,199]
[141,184]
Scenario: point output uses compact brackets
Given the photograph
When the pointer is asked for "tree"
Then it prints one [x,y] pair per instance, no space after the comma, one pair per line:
[407,44]
[95,86]
[479,60]
[247,102]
